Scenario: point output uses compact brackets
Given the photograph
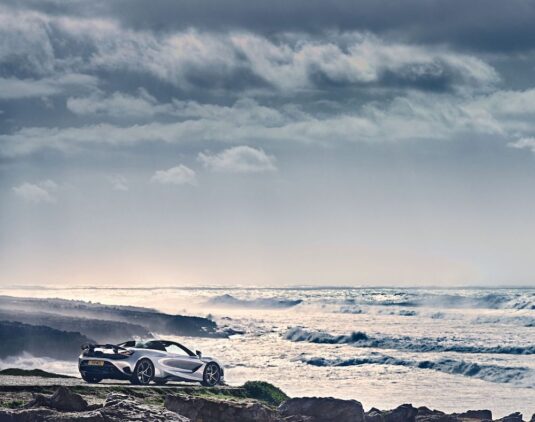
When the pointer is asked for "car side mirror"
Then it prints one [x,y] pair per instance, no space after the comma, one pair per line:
[198,353]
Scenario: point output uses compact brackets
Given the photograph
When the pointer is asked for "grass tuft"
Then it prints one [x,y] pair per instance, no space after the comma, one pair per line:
[265,392]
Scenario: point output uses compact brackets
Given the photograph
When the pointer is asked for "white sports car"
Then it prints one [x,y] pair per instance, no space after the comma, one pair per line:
[141,362]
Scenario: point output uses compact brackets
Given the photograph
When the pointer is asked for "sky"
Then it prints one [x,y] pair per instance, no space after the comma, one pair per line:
[289,142]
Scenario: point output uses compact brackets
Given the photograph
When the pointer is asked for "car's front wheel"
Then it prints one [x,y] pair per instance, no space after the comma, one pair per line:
[211,375]
[91,379]
[143,373]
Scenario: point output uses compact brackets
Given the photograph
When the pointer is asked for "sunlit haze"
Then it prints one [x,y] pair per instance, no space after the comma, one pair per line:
[270,144]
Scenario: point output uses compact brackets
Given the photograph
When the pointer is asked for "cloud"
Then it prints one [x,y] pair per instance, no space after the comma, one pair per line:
[14,88]
[500,26]
[39,192]
[404,118]
[179,175]
[410,117]
[119,105]
[119,182]
[240,159]
[40,43]
[523,143]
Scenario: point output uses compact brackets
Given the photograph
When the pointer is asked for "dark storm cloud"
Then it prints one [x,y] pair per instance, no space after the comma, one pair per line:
[486,25]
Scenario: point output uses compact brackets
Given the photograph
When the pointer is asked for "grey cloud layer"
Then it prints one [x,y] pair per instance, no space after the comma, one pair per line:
[488,25]
[411,117]
[35,44]
[121,85]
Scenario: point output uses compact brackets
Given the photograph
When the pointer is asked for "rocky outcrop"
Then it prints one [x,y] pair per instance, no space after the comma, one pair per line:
[63,400]
[138,320]
[513,417]
[478,415]
[65,406]
[323,409]
[232,405]
[199,409]
[407,413]
[403,413]
[98,329]
[39,340]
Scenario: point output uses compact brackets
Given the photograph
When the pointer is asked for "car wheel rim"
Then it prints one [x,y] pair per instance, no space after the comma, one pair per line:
[144,372]
[212,374]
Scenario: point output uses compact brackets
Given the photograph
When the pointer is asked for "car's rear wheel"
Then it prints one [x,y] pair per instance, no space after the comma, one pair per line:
[143,373]
[91,379]
[211,375]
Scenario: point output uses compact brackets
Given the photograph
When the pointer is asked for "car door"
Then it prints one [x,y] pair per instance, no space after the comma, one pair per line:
[179,360]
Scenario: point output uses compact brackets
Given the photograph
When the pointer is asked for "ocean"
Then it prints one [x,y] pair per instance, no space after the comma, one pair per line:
[450,349]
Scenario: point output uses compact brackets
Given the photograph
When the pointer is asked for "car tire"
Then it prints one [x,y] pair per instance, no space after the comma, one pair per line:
[211,375]
[91,379]
[143,372]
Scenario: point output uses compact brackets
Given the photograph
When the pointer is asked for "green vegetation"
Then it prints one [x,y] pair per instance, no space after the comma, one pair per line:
[251,390]
[264,391]
[13,404]
[31,373]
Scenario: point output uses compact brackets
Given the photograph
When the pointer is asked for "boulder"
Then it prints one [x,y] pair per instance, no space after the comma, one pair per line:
[323,409]
[120,407]
[437,417]
[427,415]
[63,400]
[374,415]
[480,415]
[199,409]
[513,417]
[403,413]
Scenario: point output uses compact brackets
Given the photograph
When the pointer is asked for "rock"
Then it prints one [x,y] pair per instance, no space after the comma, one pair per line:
[427,415]
[117,408]
[480,415]
[120,407]
[437,417]
[374,415]
[513,417]
[323,409]
[204,410]
[403,413]
[63,399]
[532,418]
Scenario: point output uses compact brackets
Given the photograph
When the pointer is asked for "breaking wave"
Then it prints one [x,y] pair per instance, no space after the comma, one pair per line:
[361,339]
[524,320]
[227,300]
[28,361]
[493,373]
[495,300]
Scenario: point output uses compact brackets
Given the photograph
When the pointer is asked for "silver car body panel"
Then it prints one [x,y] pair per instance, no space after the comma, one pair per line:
[167,365]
